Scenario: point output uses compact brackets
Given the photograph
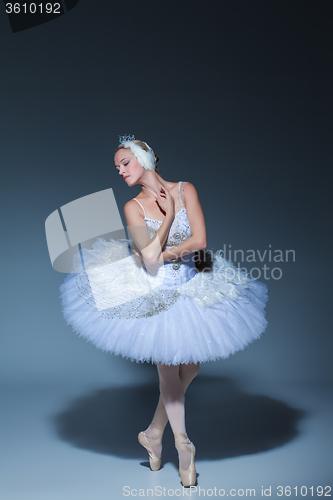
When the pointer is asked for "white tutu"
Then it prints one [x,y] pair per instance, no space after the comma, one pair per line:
[176,315]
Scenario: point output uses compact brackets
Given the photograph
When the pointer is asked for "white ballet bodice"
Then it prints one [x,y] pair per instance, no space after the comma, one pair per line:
[176,271]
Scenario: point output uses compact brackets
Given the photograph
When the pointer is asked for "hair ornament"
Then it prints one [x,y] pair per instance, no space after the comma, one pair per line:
[145,158]
[123,138]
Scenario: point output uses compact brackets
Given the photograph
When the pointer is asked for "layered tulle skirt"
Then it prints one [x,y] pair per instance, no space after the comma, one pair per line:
[170,314]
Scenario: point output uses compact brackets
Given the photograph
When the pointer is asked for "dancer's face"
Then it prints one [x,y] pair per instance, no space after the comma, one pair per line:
[128,166]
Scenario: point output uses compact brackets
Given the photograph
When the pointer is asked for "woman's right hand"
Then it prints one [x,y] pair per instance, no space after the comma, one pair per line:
[165,201]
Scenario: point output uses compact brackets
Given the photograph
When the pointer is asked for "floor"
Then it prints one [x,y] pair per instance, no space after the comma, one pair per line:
[77,443]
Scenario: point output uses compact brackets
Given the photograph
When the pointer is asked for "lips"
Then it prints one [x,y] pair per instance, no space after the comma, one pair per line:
[125,177]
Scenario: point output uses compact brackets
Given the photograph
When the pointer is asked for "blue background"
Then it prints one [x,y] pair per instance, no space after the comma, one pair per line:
[234,97]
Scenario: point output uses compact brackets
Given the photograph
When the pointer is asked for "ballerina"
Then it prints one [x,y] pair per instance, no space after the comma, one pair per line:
[173,315]
[160,197]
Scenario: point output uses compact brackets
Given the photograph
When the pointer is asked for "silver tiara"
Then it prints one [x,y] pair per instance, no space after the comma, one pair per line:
[123,138]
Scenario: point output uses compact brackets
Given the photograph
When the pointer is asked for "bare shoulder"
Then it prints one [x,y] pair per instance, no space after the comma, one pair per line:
[190,192]
[130,206]
[195,214]
[133,213]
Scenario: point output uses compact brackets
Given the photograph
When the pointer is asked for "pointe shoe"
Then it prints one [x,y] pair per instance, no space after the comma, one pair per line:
[188,476]
[154,461]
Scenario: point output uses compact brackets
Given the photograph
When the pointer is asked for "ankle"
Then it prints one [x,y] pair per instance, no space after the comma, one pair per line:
[154,432]
[156,428]
[180,435]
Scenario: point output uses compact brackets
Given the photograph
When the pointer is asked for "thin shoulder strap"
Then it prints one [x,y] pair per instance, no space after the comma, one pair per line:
[144,213]
[181,185]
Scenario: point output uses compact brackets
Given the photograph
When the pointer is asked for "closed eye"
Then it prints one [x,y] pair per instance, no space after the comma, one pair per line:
[125,164]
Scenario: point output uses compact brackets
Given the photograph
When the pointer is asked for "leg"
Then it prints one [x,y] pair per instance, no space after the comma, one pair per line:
[186,374]
[155,430]
[172,393]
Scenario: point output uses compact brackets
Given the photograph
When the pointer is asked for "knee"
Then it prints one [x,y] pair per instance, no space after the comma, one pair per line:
[195,369]
[167,372]
[191,370]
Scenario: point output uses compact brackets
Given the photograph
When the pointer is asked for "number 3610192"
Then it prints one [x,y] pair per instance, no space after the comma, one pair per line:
[33,8]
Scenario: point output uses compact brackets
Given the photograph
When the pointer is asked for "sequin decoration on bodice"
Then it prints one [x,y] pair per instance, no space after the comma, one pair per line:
[180,229]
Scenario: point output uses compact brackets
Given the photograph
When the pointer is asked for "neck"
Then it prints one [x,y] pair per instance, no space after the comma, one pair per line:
[151,182]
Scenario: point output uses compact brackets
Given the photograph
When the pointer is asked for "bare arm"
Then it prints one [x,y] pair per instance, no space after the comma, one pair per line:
[198,240]
[151,249]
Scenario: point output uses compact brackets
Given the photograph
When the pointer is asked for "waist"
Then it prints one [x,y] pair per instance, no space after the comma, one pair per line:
[174,272]
[186,260]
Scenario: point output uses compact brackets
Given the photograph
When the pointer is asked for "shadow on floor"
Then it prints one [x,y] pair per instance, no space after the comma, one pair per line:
[221,420]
